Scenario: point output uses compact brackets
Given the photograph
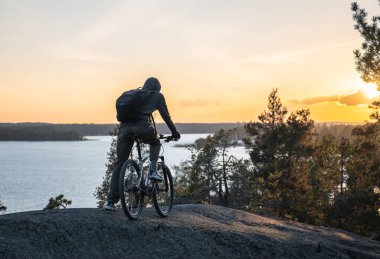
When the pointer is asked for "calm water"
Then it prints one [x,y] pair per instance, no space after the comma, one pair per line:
[32,172]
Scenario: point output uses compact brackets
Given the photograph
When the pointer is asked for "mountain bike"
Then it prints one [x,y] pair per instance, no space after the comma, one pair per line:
[135,186]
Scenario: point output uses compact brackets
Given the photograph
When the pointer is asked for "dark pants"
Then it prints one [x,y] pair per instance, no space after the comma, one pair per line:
[124,147]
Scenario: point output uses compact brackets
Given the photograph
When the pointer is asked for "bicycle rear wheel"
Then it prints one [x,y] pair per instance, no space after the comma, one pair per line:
[163,193]
[130,193]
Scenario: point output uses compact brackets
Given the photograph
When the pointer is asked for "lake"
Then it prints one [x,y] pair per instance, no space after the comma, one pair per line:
[32,172]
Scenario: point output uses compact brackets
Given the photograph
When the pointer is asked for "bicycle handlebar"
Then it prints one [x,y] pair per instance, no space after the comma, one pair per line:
[167,138]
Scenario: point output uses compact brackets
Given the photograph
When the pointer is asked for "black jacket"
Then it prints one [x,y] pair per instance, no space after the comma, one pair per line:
[155,101]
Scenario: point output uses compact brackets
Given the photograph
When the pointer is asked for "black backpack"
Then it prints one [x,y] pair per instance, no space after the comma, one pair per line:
[128,105]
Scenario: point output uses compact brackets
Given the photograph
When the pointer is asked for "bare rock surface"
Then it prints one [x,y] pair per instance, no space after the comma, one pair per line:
[191,231]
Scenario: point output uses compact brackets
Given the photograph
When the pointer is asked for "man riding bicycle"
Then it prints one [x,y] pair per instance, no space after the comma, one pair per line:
[143,126]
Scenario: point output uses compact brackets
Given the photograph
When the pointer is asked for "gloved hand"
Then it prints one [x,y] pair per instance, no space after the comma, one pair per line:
[176,135]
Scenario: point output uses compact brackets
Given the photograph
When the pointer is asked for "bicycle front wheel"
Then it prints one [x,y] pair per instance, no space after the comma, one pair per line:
[130,193]
[163,193]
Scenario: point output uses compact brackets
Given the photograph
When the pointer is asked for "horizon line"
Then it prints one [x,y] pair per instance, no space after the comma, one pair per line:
[237,122]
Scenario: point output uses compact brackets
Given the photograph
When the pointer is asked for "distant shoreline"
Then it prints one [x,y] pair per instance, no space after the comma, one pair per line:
[78,132]
[94,138]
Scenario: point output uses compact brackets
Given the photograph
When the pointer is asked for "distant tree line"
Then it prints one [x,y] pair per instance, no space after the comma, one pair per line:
[48,131]
[291,173]
[338,131]
[36,133]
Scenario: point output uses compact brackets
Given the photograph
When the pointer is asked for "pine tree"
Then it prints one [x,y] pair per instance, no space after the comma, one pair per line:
[264,144]
[280,149]
[206,177]
[196,181]
[101,191]
[276,113]
[296,154]
[324,179]
[363,182]
[340,204]
[243,188]
[368,58]
[226,164]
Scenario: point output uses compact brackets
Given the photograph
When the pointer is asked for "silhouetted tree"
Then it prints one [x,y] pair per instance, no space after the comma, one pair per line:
[195,177]
[206,177]
[58,202]
[363,181]
[280,147]
[243,189]
[226,164]
[265,142]
[101,192]
[368,58]
[297,176]
[345,155]
[323,180]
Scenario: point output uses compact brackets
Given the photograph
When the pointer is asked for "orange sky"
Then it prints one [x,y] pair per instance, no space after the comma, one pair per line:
[217,61]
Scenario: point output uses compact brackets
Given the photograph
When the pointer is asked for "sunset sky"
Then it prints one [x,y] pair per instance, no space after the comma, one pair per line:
[217,60]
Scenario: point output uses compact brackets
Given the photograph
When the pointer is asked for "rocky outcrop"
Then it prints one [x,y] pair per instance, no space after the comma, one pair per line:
[191,231]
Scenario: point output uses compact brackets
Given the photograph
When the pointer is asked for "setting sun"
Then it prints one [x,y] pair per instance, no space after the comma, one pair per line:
[370,90]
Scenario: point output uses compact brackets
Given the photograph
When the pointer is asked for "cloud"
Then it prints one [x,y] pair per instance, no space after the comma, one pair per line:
[201,103]
[353,99]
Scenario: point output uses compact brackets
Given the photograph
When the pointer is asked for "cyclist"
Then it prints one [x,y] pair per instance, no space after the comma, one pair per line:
[143,127]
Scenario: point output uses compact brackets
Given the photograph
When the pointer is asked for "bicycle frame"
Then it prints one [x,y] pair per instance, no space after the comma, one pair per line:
[141,161]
